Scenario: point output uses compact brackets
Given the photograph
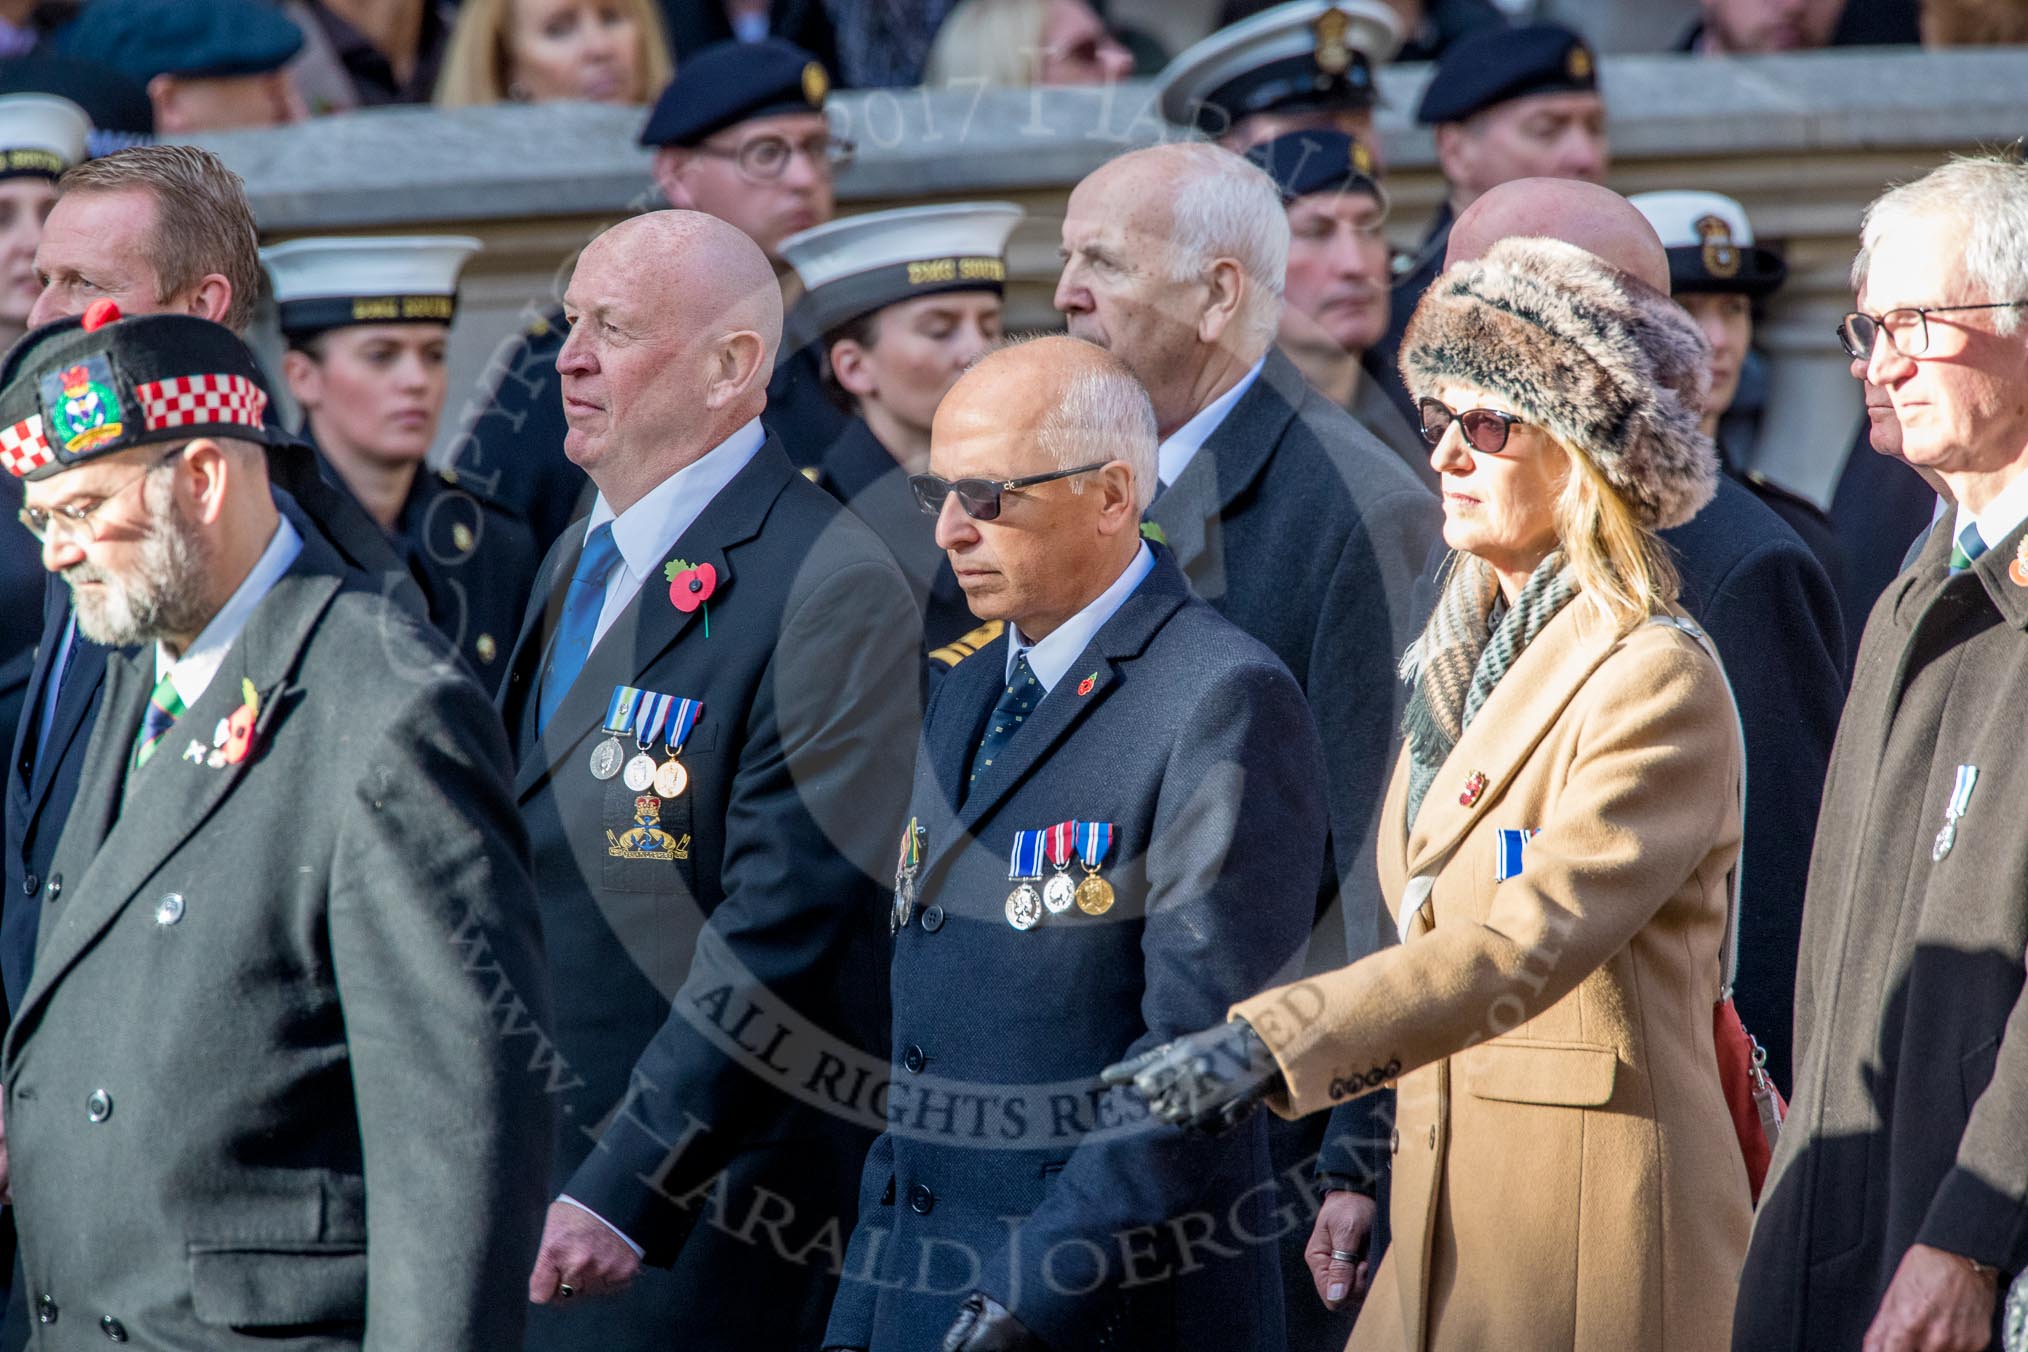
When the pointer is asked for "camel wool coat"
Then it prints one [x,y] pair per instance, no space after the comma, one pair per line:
[1565,1172]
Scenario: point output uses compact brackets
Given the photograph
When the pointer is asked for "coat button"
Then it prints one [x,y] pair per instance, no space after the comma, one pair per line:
[53,889]
[45,1308]
[113,1328]
[914,1059]
[169,909]
[1394,1142]
[933,918]
[99,1106]
[30,885]
[921,1200]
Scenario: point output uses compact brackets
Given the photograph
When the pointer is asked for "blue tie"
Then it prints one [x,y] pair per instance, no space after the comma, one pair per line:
[581,606]
[1965,550]
[1016,702]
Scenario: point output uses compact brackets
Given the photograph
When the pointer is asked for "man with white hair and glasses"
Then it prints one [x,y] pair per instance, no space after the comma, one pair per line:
[1893,1212]
[1285,513]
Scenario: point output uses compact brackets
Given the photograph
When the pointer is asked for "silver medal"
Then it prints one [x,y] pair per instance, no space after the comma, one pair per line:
[1944,840]
[1059,894]
[606,758]
[640,775]
[1024,907]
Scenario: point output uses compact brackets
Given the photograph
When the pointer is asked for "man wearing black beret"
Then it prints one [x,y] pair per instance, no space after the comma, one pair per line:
[1506,103]
[272,1076]
[210,67]
[739,134]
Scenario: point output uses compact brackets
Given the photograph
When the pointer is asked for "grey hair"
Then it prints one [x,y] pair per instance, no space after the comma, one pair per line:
[1989,194]
[1104,415]
[1226,207]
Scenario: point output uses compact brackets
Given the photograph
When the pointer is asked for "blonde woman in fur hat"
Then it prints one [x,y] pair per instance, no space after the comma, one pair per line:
[1556,846]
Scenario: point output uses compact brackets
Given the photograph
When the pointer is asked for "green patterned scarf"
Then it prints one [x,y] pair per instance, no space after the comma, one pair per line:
[1466,648]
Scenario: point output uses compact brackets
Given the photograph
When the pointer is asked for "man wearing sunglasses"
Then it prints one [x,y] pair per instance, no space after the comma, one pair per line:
[1892,1211]
[1114,698]
[739,134]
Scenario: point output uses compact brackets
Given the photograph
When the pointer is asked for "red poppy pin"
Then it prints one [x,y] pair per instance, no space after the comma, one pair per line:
[1084,687]
[233,741]
[1474,786]
[690,586]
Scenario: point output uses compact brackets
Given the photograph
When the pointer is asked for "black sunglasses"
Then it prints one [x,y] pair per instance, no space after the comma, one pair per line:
[1485,428]
[980,497]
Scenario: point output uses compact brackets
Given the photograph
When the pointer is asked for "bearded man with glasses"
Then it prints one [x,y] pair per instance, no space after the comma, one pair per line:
[1893,1211]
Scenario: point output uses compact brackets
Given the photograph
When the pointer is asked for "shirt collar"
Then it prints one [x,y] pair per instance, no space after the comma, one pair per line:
[192,673]
[1174,454]
[2001,516]
[648,530]
[1050,658]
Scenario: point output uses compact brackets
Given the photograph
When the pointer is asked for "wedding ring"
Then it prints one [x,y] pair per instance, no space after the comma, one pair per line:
[1340,1256]
[564,1290]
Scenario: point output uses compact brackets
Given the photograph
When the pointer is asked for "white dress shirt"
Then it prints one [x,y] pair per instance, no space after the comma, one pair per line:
[1050,658]
[1174,453]
[2001,516]
[192,673]
[648,530]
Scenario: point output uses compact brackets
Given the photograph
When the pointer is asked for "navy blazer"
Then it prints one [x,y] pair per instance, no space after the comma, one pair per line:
[1767,602]
[704,979]
[996,1173]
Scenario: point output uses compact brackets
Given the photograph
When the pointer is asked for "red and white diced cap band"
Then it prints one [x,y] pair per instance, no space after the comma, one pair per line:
[23,447]
[190,401]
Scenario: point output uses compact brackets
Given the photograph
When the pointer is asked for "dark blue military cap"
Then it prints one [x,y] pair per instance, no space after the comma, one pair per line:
[77,389]
[1303,162]
[1304,56]
[141,39]
[730,82]
[1493,65]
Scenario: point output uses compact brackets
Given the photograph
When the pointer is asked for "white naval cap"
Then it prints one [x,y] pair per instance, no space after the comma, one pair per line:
[1710,243]
[331,282]
[854,266]
[40,134]
[1302,56]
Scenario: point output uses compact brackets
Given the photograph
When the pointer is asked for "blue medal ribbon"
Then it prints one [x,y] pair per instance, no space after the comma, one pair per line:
[650,716]
[1961,792]
[1025,863]
[620,709]
[686,715]
[1094,839]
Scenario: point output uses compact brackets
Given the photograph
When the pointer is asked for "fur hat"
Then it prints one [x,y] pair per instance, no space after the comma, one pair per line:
[1606,364]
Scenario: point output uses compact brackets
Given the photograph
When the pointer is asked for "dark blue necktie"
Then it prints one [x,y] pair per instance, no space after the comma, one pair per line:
[1016,702]
[581,606]
[1965,550]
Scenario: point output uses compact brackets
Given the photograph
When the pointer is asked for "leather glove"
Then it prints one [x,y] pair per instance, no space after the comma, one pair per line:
[1204,1081]
[985,1325]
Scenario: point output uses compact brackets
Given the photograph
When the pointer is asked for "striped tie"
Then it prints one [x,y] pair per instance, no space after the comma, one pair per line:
[165,706]
[1965,550]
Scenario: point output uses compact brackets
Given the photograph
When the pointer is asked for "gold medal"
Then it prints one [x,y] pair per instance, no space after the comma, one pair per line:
[1024,907]
[640,773]
[672,779]
[1094,894]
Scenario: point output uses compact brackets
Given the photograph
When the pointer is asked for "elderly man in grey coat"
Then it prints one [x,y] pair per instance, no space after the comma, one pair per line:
[1897,1206]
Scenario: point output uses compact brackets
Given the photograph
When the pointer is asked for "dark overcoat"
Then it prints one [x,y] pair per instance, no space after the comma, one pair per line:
[997,1172]
[271,1078]
[1911,1098]
[703,977]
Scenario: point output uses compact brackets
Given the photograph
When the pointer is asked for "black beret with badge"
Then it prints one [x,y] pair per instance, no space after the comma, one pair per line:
[1710,244]
[1305,162]
[732,82]
[1492,66]
[1306,56]
[81,388]
[214,39]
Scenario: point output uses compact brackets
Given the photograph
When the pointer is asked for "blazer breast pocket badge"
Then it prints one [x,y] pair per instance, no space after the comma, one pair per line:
[1507,859]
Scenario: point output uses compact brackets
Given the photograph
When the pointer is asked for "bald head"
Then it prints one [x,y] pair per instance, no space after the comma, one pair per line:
[675,321]
[1595,219]
[1037,407]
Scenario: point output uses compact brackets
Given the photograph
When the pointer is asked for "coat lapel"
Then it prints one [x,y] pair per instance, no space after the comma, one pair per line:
[171,797]
[1513,721]
[1230,459]
[650,624]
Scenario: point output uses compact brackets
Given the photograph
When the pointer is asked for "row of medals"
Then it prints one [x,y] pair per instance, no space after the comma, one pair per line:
[1025,904]
[668,779]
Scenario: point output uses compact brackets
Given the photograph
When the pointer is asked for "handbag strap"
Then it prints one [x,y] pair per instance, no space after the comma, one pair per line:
[1728,953]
